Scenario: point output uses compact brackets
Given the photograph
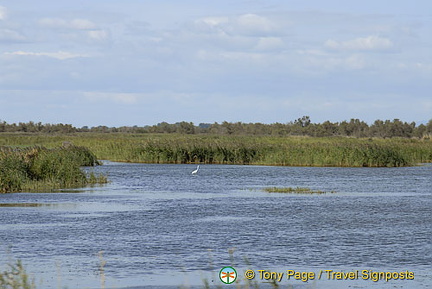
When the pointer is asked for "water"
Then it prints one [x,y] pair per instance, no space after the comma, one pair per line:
[158,225]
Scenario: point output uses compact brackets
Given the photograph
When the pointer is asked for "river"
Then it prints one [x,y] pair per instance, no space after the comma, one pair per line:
[159,226]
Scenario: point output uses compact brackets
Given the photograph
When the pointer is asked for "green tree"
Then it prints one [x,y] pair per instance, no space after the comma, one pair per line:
[303,121]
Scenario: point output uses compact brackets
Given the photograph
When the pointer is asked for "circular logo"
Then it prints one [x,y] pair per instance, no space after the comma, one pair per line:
[249,274]
[228,275]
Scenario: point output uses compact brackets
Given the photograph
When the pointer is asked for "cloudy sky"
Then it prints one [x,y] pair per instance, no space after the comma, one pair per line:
[130,62]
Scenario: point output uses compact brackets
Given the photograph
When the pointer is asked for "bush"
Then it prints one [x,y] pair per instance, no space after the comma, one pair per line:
[13,172]
[37,168]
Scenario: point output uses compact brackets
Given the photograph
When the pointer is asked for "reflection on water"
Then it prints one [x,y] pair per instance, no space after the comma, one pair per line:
[160,225]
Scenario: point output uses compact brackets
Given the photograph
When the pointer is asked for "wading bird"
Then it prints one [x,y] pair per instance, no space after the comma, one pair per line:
[195,171]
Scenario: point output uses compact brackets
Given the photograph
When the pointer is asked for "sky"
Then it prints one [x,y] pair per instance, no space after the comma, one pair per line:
[124,63]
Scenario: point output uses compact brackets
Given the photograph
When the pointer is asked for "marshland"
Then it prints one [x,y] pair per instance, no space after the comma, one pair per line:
[339,203]
[36,168]
[238,149]
[298,143]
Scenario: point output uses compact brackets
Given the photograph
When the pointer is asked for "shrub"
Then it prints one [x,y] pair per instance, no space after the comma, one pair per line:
[39,168]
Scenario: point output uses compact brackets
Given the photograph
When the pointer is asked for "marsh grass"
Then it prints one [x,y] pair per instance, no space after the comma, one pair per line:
[16,277]
[38,168]
[102,264]
[237,149]
[297,190]
[94,179]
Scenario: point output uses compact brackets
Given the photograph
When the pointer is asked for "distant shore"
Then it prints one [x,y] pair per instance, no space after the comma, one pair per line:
[236,149]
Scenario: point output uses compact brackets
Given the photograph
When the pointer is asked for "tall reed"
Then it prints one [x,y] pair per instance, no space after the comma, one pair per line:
[38,168]
[263,150]
[16,277]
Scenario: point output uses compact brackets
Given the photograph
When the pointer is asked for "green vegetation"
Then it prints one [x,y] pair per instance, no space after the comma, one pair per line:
[300,127]
[16,277]
[298,143]
[37,168]
[258,150]
[297,190]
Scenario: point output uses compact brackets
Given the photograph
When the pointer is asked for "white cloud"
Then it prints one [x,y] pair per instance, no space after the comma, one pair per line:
[229,37]
[354,62]
[246,57]
[9,32]
[319,62]
[269,43]
[211,26]
[10,35]
[246,24]
[3,13]
[82,24]
[76,30]
[125,98]
[98,35]
[370,43]
[273,53]
[76,24]
[53,22]
[212,21]
[61,55]
[253,23]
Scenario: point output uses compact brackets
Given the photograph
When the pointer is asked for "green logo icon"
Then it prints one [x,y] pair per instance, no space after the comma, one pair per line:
[228,275]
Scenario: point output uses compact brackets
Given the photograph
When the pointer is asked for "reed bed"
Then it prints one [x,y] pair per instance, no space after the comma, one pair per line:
[38,168]
[259,150]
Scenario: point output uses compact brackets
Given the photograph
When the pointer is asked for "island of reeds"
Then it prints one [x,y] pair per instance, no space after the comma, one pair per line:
[36,168]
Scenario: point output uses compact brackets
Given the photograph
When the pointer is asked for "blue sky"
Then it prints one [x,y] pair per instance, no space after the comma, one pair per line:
[129,62]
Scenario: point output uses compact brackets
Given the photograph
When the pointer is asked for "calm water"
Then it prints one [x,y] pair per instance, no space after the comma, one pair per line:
[158,225]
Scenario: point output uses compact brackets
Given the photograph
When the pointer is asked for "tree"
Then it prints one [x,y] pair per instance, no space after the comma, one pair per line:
[303,122]
[429,127]
[420,131]
[185,127]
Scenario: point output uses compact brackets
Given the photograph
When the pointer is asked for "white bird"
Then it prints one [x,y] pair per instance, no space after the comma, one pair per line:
[195,171]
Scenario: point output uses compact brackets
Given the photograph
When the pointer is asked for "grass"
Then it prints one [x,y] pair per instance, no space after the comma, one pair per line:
[38,168]
[255,150]
[16,277]
[297,190]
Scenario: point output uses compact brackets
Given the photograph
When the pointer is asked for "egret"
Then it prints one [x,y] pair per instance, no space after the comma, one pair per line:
[195,171]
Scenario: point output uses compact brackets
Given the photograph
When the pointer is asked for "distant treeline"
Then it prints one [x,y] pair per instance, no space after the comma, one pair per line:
[299,127]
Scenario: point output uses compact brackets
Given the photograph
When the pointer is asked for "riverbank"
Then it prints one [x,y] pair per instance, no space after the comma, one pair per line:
[255,150]
[36,168]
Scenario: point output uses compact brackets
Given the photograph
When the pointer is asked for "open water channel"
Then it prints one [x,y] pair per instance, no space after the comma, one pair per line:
[159,226]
